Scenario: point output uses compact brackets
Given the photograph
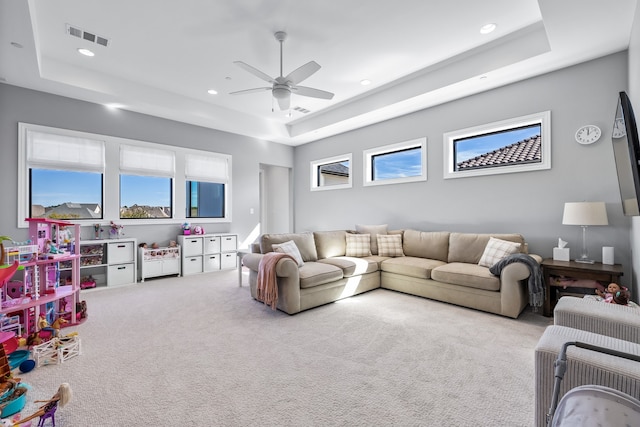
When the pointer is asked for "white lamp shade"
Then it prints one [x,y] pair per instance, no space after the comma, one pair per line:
[585,213]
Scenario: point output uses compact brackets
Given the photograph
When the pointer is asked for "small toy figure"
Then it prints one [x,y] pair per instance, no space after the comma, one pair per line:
[48,410]
[154,245]
[609,292]
[57,324]
[198,230]
[621,298]
[51,248]
[142,245]
[173,244]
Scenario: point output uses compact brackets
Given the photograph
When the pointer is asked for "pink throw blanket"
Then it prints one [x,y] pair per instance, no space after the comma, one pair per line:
[267,285]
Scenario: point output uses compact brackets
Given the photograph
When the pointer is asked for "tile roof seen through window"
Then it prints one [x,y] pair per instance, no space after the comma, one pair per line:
[335,169]
[526,151]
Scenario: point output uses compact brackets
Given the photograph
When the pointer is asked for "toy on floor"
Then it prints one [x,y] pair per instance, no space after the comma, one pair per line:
[48,410]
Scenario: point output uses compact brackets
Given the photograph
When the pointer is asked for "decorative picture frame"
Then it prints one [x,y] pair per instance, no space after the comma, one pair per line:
[520,144]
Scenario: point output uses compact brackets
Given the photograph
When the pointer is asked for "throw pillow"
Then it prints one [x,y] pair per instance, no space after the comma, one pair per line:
[358,245]
[390,245]
[289,248]
[373,231]
[497,249]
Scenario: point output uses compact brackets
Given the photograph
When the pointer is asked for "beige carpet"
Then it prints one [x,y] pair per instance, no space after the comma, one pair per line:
[198,351]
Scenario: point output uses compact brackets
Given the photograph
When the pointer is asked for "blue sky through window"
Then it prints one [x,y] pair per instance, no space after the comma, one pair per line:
[474,146]
[144,191]
[398,164]
[54,187]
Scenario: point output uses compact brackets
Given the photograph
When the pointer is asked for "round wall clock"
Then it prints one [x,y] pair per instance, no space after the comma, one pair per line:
[588,134]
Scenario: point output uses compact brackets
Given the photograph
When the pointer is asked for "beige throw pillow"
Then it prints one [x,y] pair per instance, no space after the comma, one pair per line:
[497,249]
[390,245]
[373,231]
[358,245]
[289,248]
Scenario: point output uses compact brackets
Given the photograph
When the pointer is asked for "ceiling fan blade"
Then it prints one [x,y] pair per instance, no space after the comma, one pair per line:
[313,93]
[254,71]
[284,103]
[301,73]
[257,89]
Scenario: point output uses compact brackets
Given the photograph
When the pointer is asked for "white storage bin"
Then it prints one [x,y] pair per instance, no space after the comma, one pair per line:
[120,252]
[212,244]
[228,260]
[121,274]
[192,246]
[212,262]
[229,243]
[192,265]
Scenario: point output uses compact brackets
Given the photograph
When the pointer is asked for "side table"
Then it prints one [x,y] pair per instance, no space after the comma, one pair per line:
[575,270]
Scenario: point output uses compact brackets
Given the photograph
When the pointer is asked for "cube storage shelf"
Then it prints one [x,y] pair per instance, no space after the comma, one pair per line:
[158,262]
[108,262]
[208,252]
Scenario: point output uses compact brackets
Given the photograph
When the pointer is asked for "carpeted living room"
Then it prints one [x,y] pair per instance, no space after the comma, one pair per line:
[413,165]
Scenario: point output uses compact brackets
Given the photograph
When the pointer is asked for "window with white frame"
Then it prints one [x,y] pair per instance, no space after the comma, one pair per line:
[396,163]
[63,175]
[146,182]
[331,173]
[206,182]
[98,178]
[519,144]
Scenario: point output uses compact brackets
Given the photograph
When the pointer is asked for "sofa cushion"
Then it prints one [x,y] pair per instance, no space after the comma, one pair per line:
[352,266]
[358,245]
[330,243]
[411,266]
[432,245]
[390,245]
[318,273]
[289,248]
[469,275]
[497,249]
[469,247]
[373,231]
[304,241]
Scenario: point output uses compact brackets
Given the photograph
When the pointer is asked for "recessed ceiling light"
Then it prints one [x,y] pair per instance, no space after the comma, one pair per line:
[365,82]
[85,52]
[114,106]
[487,28]
[212,92]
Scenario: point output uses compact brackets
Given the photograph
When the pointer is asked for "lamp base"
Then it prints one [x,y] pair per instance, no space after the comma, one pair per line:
[585,261]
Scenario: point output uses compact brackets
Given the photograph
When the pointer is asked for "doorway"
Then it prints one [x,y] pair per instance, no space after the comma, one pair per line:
[276,207]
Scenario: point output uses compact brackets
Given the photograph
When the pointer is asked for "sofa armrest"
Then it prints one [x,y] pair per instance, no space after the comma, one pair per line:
[515,294]
[613,320]
[285,267]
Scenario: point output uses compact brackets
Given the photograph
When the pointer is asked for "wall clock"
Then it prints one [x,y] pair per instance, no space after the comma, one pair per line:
[588,134]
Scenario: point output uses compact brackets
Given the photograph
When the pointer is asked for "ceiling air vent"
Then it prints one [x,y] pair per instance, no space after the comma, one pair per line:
[302,110]
[85,35]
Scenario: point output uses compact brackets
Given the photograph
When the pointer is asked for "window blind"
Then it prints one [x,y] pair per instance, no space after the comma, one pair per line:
[53,151]
[207,168]
[137,160]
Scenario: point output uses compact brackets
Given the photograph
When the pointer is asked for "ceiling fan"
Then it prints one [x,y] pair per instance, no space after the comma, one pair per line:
[282,86]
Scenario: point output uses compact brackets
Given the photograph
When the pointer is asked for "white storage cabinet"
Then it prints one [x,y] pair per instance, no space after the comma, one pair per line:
[208,252]
[159,262]
[109,262]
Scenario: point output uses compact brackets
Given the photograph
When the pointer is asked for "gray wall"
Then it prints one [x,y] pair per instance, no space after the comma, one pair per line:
[530,203]
[23,105]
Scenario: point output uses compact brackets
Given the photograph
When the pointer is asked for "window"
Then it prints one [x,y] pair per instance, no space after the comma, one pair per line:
[331,173]
[145,182]
[396,163]
[515,145]
[91,178]
[64,175]
[206,177]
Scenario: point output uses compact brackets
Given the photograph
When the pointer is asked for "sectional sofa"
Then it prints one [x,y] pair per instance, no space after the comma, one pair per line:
[446,266]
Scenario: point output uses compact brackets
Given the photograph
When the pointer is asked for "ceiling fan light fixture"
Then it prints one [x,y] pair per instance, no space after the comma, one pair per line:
[280,92]
[85,52]
[212,92]
[365,82]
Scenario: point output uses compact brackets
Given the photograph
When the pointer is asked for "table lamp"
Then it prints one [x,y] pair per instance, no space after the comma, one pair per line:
[585,214]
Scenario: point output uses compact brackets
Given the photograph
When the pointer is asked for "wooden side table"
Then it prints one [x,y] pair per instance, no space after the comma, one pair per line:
[575,270]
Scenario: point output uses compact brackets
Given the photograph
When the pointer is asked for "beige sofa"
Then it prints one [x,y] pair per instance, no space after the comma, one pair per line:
[436,265]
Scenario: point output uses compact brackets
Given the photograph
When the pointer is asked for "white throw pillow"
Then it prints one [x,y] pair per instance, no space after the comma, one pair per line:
[289,248]
[390,245]
[358,245]
[497,249]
